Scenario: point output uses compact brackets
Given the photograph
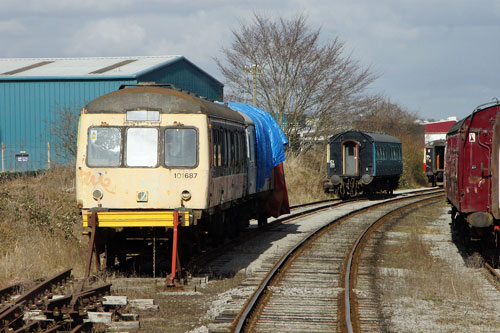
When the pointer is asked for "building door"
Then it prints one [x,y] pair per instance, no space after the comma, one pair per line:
[350,159]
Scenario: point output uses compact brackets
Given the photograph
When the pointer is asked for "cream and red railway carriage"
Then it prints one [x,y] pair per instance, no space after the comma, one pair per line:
[149,153]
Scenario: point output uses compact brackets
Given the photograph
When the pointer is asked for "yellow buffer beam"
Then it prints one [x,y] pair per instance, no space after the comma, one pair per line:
[138,219]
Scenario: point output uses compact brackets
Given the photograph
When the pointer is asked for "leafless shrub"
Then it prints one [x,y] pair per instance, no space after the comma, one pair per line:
[64,130]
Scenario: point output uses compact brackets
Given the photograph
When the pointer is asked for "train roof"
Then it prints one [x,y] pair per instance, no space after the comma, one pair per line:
[267,128]
[436,143]
[371,137]
[159,98]
[458,125]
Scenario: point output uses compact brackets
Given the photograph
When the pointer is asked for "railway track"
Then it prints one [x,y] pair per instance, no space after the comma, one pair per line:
[303,291]
[53,305]
[199,264]
[312,207]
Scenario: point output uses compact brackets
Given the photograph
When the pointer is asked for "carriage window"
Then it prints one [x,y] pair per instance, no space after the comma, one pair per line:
[232,145]
[225,149]
[142,147]
[219,148]
[104,147]
[215,143]
[350,151]
[180,147]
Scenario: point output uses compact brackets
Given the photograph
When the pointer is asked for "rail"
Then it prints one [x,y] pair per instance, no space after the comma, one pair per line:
[242,320]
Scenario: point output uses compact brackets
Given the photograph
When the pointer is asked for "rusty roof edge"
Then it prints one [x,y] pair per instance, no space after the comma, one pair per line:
[199,106]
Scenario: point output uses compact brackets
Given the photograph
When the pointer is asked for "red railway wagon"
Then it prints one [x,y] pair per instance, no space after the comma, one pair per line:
[472,165]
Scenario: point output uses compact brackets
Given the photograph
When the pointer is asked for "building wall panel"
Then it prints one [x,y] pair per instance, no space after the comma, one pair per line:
[30,106]
[30,109]
[187,77]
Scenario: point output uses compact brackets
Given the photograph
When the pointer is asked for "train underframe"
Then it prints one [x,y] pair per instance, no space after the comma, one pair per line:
[150,250]
[483,240]
[435,178]
[353,186]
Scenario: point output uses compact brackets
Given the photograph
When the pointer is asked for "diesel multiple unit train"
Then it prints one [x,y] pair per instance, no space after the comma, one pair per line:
[153,159]
[362,163]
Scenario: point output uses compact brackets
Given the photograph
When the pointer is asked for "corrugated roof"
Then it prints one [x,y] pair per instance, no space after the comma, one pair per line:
[81,67]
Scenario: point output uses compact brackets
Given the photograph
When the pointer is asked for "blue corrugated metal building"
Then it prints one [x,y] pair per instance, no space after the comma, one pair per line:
[35,93]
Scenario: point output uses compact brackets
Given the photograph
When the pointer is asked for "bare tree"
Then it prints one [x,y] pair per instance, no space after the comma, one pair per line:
[309,87]
[64,130]
[389,118]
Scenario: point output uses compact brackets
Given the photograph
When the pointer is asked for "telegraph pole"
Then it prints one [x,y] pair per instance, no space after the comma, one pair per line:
[255,70]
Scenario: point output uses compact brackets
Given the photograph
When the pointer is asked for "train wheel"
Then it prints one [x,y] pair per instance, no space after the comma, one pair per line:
[243,222]
[343,193]
[262,221]
[216,228]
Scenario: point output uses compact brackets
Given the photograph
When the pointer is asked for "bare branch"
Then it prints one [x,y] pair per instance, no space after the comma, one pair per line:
[308,86]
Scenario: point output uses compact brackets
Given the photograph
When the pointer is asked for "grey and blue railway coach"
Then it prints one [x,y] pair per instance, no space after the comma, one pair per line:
[361,162]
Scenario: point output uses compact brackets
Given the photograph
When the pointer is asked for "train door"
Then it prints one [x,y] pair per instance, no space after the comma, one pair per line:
[252,167]
[494,172]
[350,150]
[439,151]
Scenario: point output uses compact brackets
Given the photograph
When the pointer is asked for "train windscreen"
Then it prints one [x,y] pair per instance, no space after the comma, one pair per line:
[142,147]
[104,147]
[180,147]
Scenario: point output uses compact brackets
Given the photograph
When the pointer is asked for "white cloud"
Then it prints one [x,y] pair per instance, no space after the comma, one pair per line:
[15,7]
[109,36]
[12,28]
[432,56]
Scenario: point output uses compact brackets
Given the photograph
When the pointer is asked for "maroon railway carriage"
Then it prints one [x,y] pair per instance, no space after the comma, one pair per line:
[471,171]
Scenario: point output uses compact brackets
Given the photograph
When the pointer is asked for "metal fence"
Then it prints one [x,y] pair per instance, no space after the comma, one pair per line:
[18,158]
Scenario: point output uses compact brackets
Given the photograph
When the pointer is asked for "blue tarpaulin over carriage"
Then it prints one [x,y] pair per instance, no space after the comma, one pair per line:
[270,140]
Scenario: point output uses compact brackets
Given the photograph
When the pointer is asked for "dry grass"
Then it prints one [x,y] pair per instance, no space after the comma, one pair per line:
[40,229]
[304,174]
[434,290]
[413,172]
[427,276]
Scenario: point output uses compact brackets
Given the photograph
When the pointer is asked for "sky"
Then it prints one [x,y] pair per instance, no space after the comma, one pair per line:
[436,58]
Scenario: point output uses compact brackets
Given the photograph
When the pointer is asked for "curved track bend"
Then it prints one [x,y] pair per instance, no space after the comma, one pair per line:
[305,290]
